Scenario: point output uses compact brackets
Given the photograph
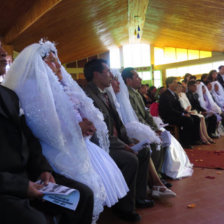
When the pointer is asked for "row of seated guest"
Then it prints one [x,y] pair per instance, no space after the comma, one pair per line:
[210,121]
[189,101]
[172,112]
[211,102]
[210,87]
[67,122]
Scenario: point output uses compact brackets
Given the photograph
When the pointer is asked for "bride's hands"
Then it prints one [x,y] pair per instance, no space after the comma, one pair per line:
[87,127]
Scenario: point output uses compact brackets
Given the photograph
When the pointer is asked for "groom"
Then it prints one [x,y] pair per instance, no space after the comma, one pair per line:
[133,83]
[22,163]
[133,167]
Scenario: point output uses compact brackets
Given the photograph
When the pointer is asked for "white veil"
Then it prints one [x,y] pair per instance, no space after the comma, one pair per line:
[50,115]
[218,96]
[134,128]
[214,107]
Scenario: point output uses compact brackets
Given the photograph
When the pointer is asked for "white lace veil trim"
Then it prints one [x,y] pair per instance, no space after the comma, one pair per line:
[214,107]
[219,96]
[135,129]
[87,109]
[50,115]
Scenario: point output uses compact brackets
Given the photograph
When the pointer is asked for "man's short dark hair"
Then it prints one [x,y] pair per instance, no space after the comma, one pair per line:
[220,67]
[191,83]
[169,80]
[95,65]
[127,73]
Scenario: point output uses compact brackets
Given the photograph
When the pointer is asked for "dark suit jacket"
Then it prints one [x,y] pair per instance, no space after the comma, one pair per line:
[110,115]
[193,98]
[169,106]
[21,156]
[220,79]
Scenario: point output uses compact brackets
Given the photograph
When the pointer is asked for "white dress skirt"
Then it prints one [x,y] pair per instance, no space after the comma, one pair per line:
[176,163]
[111,176]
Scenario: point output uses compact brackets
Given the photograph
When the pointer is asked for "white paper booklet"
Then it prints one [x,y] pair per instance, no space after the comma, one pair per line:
[60,195]
[140,145]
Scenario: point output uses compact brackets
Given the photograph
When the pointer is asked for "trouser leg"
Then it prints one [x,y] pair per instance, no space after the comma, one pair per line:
[142,176]
[211,123]
[158,157]
[17,210]
[128,164]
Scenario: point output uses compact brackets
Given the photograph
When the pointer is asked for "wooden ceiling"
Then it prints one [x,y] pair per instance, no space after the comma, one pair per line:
[188,24]
[83,28]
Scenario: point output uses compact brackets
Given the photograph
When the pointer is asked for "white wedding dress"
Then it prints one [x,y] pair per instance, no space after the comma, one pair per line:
[176,163]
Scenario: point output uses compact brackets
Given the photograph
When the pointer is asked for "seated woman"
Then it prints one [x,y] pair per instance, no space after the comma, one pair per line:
[207,102]
[151,93]
[204,77]
[187,77]
[212,76]
[176,164]
[181,92]
[64,119]
[218,94]
[143,91]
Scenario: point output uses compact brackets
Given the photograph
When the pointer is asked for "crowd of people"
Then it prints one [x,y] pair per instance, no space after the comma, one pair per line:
[55,131]
[194,105]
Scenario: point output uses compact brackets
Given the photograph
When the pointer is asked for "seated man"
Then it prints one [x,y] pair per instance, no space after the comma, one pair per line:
[211,121]
[133,82]
[22,163]
[134,167]
[172,112]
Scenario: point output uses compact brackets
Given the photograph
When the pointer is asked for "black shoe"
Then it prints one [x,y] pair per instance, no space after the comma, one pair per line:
[144,203]
[128,216]
[187,147]
[167,184]
[199,142]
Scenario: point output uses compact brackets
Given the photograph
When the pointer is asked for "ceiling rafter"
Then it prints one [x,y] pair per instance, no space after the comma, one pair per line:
[38,9]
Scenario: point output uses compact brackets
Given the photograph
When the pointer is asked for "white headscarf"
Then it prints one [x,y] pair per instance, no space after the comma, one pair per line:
[134,128]
[50,115]
[214,107]
[218,96]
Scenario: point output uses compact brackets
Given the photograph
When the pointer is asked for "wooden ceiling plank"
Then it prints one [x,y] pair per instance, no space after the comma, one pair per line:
[38,9]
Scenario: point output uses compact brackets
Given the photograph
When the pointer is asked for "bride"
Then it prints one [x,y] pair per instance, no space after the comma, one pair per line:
[176,164]
[64,119]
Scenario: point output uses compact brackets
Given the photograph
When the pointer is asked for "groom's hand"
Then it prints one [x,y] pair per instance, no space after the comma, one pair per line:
[87,127]
[128,148]
[33,190]
[47,177]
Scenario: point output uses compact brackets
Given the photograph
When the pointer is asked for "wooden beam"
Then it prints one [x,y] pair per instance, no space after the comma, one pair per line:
[136,17]
[38,9]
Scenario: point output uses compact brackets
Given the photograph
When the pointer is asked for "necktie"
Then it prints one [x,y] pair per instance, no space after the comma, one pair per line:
[107,101]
